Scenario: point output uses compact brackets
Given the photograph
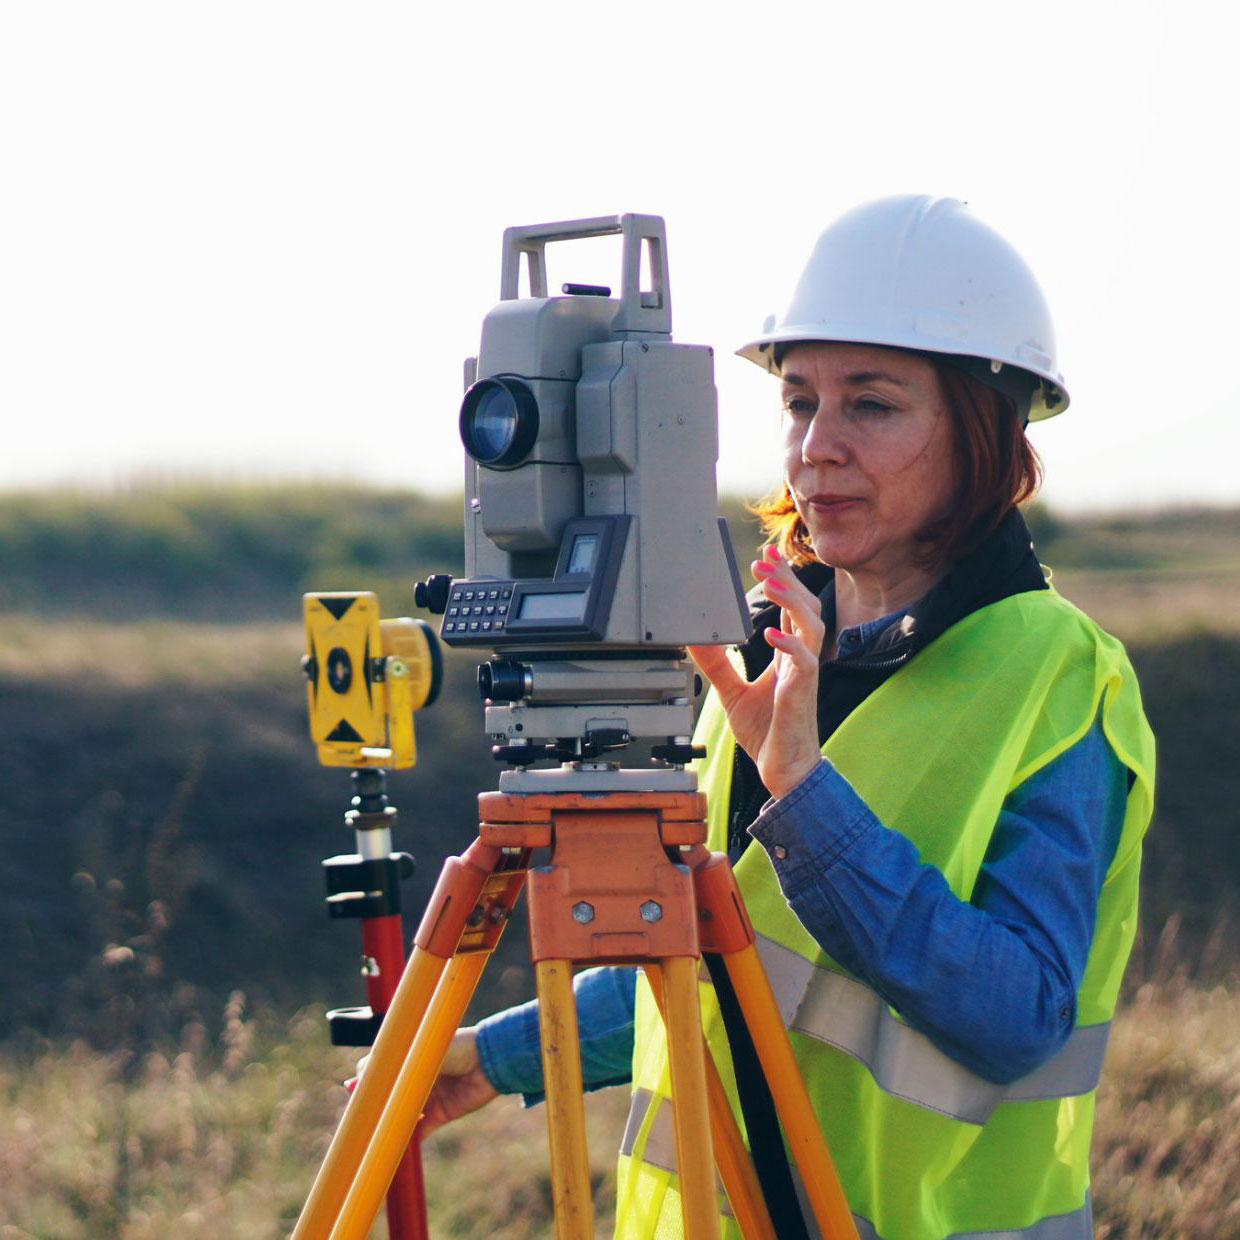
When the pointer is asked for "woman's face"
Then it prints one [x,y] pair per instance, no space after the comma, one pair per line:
[868,453]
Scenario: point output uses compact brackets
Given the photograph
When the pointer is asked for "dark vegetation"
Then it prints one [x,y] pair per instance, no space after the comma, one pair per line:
[163,826]
[218,556]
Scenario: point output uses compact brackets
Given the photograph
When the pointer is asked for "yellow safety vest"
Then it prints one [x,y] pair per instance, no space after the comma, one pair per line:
[924,1148]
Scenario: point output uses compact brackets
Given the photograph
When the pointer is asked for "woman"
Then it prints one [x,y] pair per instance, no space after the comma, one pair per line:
[944,765]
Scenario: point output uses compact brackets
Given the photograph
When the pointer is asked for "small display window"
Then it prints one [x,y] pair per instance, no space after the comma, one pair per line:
[581,558]
[561,605]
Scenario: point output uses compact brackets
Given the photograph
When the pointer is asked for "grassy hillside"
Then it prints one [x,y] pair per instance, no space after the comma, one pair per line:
[245,553]
[219,554]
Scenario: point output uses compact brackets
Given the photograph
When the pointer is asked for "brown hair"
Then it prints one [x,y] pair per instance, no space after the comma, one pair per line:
[996,469]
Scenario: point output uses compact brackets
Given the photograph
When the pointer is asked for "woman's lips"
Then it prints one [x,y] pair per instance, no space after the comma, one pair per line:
[832,503]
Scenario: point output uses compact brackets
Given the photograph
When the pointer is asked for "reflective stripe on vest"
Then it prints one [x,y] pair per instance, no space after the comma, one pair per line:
[661,1144]
[660,1152]
[832,1008]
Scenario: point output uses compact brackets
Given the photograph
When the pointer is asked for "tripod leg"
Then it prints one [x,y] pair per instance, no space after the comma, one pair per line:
[740,1181]
[729,932]
[410,1002]
[466,884]
[408,1096]
[566,1116]
[687,1060]
[801,1129]
[405,1205]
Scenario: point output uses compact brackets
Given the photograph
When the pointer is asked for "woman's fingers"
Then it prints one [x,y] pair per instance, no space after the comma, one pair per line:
[794,647]
[800,610]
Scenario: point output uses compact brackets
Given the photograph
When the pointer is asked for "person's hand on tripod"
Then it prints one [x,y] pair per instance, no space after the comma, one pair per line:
[461,1086]
[774,718]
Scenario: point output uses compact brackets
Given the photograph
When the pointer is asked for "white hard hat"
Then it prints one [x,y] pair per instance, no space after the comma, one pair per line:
[924,273]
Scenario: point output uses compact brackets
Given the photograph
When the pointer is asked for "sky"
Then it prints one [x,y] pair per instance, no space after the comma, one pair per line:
[258,239]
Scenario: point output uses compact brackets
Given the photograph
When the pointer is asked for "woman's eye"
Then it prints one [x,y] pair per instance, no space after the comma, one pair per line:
[800,406]
[868,404]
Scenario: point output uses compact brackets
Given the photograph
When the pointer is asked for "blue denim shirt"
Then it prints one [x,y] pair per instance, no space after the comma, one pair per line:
[991,982]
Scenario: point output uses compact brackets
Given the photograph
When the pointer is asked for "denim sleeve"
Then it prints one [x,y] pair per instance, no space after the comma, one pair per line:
[991,982]
[508,1045]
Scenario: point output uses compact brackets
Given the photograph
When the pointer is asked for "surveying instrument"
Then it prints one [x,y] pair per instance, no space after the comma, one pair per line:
[365,679]
[593,556]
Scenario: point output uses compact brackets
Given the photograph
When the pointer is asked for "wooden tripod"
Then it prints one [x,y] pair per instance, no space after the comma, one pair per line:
[630,881]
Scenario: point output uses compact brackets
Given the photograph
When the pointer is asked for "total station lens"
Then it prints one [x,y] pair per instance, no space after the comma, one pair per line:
[494,424]
[499,422]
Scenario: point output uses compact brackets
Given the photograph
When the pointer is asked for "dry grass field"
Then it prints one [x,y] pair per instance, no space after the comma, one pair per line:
[220,1138]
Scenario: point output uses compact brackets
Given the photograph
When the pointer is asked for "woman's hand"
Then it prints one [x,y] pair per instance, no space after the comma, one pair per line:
[775,718]
[461,1087]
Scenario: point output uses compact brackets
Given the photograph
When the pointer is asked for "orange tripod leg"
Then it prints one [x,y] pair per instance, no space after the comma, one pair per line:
[457,898]
[740,1181]
[779,1065]
[686,1054]
[412,1088]
[731,935]
[566,1116]
[418,982]
[405,1205]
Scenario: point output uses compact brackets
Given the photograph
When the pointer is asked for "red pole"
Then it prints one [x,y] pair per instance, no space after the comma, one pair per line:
[383,943]
[366,885]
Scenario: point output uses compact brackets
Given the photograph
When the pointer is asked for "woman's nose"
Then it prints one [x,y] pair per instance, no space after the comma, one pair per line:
[824,442]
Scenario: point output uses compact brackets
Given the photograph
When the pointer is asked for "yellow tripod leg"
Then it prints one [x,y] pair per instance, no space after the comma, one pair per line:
[783,1076]
[740,1181]
[331,1185]
[408,1097]
[566,1116]
[686,1058]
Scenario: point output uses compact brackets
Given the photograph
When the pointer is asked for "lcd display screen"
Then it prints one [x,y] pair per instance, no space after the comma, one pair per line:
[581,558]
[567,605]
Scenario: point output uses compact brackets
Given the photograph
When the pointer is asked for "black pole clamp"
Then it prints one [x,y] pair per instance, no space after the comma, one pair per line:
[363,887]
[356,1026]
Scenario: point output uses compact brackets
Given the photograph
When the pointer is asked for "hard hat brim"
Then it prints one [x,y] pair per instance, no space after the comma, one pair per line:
[1050,397]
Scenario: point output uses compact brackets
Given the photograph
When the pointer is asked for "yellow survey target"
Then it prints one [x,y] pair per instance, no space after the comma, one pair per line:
[365,679]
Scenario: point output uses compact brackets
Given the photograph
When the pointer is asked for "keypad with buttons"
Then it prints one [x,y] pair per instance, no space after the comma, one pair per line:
[477,610]
[480,613]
